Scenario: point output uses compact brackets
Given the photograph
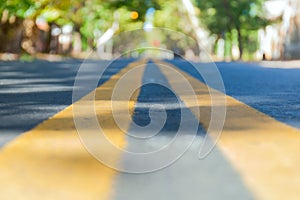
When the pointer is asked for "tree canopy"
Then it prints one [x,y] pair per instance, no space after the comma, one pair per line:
[227,16]
[92,18]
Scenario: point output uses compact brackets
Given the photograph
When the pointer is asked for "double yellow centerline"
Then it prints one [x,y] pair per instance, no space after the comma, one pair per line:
[263,150]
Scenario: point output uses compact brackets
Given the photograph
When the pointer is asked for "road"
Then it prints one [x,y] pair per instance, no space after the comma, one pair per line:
[33,92]
[50,161]
[274,91]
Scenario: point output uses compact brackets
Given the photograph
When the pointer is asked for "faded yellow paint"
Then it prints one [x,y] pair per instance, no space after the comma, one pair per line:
[49,161]
[263,150]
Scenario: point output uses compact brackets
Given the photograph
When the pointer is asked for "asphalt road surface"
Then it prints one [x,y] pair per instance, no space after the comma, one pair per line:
[34,91]
[256,156]
[31,92]
[274,91]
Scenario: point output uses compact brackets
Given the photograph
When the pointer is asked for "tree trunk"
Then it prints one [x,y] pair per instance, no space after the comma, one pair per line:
[48,38]
[11,36]
[240,41]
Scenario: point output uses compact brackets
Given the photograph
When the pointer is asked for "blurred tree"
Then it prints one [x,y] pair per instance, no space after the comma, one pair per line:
[168,15]
[172,15]
[225,16]
[89,17]
[30,21]
[11,24]
[35,18]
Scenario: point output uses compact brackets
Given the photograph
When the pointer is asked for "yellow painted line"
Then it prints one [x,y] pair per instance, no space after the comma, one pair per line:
[263,150]
[49,161]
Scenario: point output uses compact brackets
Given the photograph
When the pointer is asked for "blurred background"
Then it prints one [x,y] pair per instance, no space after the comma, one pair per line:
[226,29]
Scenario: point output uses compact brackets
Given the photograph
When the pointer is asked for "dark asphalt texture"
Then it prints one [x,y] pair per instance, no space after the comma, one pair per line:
[31,92]
[273,91]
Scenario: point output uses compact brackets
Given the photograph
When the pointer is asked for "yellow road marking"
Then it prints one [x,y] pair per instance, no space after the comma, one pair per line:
[263,150]
[49,161]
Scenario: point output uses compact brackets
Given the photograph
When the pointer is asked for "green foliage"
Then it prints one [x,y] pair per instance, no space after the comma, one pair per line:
[90,17]
[26,57]
[136,5]
[16,7]
[168,16]
[237,17]
[93,17]
[225,15]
